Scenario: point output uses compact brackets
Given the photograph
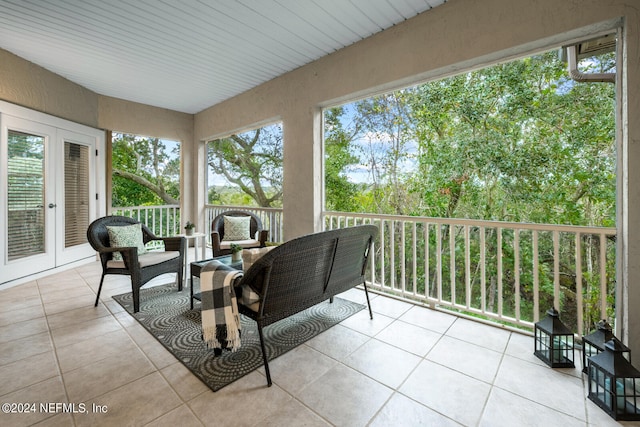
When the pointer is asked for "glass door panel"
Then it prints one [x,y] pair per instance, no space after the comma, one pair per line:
[27,191]
[76,197]
[26,197]
[76,194]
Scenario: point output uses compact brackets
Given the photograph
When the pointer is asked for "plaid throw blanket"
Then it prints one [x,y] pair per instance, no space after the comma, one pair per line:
[220,317]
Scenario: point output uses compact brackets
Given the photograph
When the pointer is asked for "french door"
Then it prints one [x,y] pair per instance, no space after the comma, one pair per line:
[49,194]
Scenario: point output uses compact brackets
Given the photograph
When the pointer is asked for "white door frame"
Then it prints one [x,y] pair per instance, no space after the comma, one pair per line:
[56,131]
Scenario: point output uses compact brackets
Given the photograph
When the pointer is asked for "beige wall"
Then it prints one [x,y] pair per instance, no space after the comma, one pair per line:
[130,117]
[450,38]
[29,85]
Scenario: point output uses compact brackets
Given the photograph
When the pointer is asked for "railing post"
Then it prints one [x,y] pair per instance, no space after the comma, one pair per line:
[536,279]
[516,270]
[483,270]
[499,256]
[578,255]
[556,270]
[467,267]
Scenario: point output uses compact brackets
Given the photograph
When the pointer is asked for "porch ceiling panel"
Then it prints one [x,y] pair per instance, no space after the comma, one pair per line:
[188,55]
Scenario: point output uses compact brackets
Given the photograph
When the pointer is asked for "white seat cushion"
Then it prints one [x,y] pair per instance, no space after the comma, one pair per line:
[244,243]
[253,307]
[150,258]
[249,256]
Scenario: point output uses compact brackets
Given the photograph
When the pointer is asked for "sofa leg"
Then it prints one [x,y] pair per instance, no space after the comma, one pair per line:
[366,293]
[264,356]
[99,290]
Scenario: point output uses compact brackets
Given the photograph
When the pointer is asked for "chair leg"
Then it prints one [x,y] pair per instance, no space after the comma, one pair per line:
[180,275]
[136,299]
[99,290]
[191,291]
[264,355]
[366,293]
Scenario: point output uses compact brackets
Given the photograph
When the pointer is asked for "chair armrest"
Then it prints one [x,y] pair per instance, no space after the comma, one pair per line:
[106,252]
[215,241]
[174,243]
[109,249]
[129,256]
[264,234]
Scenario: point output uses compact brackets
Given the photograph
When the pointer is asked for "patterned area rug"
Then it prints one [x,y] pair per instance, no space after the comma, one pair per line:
[165,313]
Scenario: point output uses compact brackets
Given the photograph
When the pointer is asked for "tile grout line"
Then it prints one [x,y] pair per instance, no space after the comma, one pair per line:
[55,353]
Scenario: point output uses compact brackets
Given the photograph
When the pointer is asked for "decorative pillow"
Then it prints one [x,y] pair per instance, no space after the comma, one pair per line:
[237,228]
[126,236]
[249,256]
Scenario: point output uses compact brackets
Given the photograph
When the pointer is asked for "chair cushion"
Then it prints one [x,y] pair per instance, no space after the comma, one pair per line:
[243,243]
[254,306]
[237,228]
[126,236]
[150,258]
[249,297]
[249,256]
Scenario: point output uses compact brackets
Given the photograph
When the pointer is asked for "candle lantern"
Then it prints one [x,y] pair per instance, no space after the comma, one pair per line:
[593,343]
[554,341]
[614,384]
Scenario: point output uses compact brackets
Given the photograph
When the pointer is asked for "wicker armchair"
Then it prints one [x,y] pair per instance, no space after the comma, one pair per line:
[141,268]
[257,237]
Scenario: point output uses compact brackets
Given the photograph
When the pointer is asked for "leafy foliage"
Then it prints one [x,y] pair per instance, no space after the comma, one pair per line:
[516,142]
[251,161]
[145,171]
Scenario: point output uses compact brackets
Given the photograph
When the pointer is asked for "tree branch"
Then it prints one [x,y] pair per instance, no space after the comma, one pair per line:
[146,183]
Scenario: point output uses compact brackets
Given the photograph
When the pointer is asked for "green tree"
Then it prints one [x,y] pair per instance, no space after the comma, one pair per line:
[145,171]
[340,192]
[252,161]
[387,137]
[517,142]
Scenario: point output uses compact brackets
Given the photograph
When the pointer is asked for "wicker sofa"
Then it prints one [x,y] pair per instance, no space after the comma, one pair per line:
[306,271]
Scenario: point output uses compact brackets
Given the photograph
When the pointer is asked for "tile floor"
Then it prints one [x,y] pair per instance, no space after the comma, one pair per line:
[408,366]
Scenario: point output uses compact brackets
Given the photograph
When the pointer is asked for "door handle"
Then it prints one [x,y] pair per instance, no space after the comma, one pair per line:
[52,205]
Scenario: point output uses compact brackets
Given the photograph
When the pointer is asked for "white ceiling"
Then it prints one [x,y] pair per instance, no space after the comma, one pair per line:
[187,55]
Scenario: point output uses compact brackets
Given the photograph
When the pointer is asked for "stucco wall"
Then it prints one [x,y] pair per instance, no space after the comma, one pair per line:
[456,36]
[29,85]
[140,119]
[119,115]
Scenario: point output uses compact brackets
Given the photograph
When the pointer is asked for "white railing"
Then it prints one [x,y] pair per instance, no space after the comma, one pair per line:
[162,220]
[466,265]
[511,273]
[165,220]
[271,218]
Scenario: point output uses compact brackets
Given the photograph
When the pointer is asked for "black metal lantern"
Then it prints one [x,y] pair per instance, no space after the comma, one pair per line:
[593,343]
[614,384]
[554,341]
